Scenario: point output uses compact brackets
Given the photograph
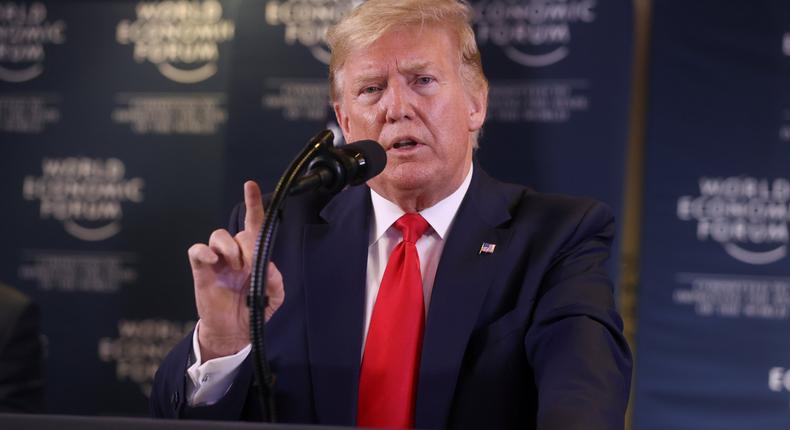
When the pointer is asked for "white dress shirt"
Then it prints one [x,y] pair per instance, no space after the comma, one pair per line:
[209,381]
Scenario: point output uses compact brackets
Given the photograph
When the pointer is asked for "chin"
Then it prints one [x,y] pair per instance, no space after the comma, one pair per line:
[403,178]
[412,175]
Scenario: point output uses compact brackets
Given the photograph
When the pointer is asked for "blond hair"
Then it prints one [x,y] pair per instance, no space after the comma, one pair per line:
[373,18]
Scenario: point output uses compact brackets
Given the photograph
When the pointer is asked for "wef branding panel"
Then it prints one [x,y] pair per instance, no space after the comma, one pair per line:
[714,305]
[128,128]
[112,119]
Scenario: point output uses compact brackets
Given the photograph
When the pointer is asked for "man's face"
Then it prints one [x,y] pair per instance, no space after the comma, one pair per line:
[405,91]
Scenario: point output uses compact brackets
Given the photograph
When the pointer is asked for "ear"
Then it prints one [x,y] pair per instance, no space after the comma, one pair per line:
[342,118]
[478,106]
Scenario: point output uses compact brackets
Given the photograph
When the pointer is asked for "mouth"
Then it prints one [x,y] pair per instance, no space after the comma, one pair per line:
[404,143]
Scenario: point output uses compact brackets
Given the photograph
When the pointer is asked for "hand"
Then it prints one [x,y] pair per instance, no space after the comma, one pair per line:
[221,271]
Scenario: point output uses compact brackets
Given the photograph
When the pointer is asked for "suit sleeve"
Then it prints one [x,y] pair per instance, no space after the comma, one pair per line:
[581,361]
[168,394]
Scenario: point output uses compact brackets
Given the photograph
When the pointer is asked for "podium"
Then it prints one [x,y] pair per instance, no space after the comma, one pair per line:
[74,422]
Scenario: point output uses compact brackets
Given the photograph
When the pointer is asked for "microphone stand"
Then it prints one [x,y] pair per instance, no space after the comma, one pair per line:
[257,299]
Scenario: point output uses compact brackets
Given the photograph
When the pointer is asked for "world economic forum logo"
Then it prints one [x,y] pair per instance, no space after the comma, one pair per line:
[306,21]
[748,216]
[24,33]
[534,33]
[140,347]
[85,194]
[181,38]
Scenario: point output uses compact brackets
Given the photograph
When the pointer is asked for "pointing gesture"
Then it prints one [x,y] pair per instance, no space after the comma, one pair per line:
[221,273]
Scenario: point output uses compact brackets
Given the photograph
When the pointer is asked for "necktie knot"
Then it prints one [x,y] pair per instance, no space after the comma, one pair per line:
[412,226]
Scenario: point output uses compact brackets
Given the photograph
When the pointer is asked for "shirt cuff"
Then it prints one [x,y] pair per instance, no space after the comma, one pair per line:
[208,382]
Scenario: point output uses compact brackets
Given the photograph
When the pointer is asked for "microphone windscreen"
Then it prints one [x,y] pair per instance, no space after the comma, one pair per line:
[370,156]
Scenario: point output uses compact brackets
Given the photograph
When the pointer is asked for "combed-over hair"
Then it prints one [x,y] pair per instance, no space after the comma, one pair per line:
[373,18]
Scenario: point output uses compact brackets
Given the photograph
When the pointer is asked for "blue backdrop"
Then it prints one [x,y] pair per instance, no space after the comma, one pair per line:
[128,128]
[714,304]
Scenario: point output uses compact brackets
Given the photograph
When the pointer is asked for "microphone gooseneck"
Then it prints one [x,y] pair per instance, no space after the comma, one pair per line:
[333,170]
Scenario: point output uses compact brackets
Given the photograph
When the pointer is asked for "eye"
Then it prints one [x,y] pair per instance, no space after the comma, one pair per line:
[424,80]
[372,89]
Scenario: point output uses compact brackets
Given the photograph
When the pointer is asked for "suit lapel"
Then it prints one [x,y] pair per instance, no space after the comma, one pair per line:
[462,280]
[335,255]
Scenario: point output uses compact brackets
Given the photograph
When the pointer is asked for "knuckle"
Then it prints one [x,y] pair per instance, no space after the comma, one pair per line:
[275,275]
[218,235]
[194,250]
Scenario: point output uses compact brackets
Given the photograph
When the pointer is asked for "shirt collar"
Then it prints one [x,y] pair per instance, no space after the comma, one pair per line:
[439,216]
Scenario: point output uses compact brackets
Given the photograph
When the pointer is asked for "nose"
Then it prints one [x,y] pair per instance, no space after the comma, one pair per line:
[396,102]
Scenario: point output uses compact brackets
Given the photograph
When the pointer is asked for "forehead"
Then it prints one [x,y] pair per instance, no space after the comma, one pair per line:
[407,48]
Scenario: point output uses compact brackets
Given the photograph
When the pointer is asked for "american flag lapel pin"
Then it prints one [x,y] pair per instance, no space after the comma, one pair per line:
[487,248]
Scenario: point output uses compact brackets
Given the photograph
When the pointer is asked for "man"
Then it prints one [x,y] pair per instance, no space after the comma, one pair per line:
[437,297]
[21,354]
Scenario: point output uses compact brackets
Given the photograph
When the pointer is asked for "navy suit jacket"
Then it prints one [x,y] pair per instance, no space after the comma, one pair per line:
[527,336]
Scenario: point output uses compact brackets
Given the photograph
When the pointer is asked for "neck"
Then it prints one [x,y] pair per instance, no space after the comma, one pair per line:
[416,200]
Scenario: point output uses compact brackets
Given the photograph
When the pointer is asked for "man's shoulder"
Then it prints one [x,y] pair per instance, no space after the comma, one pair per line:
[570,205]
[12,304]
[12,297]
[524,201]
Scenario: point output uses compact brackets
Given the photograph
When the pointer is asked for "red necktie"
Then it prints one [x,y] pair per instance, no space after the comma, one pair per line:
[391,362]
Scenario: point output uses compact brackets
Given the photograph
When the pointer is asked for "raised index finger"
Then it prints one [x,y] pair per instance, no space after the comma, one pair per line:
[253,219]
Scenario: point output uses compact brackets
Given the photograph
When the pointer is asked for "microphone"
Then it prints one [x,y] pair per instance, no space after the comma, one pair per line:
[350,164]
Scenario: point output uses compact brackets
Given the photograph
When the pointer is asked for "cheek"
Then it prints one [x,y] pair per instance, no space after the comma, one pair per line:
[449,124]
[363,120]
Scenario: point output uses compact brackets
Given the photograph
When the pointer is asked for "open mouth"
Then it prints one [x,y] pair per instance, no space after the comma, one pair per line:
[404,144]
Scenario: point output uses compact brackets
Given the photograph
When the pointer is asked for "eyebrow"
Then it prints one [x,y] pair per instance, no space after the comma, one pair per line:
[407,67]
[366,79]
[414,67]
